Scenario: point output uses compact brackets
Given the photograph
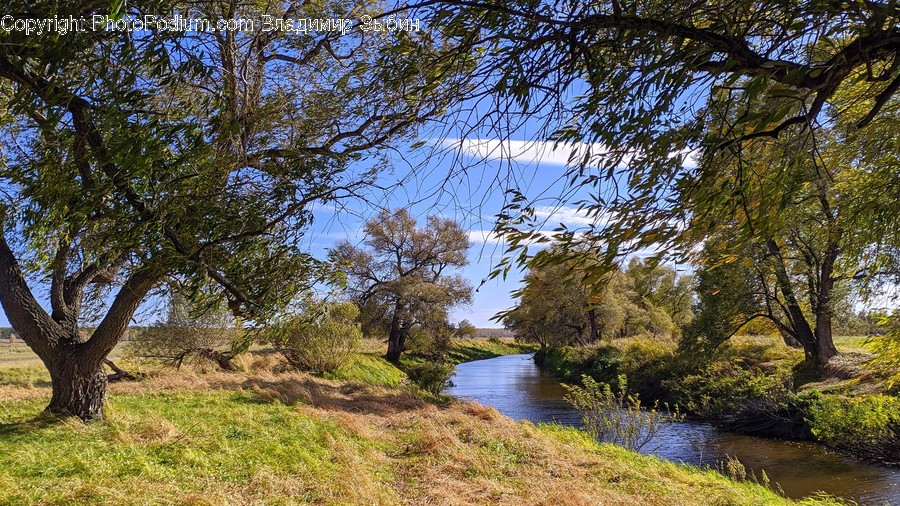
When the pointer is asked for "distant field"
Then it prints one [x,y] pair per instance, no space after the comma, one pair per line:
[20,355]
[492,332]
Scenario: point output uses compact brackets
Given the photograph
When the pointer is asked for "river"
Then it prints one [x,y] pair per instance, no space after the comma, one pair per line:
[516,387]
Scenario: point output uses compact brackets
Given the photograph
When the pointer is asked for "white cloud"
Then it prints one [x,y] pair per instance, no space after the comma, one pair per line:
[485,237]
[527,152]
[571,216]
[546,152]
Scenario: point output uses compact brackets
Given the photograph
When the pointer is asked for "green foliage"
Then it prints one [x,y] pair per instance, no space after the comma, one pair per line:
[887,350]
[722,387]
[431,377]
[319,340]
[641,81]
[726,302]
[615,417]
[432,341]
[867,425]
[560,305]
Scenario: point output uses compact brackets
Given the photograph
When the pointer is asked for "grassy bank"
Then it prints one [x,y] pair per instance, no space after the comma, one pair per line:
[468,350]
[754,385]
[268,437]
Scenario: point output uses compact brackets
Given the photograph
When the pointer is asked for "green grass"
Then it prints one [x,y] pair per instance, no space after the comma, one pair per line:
[370,369]
[28,376]
[467,350]
[160,448]
[240,447]
[852,343]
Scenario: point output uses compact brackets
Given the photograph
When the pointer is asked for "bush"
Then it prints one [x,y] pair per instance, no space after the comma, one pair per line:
[320,340]
[432,341]
[867,425]
[430,376]
[616,418]
[725,387]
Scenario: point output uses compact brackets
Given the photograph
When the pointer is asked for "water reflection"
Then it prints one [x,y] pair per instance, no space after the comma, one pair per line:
[518,389]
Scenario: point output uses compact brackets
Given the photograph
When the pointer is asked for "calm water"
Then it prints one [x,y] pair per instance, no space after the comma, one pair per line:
[517,388]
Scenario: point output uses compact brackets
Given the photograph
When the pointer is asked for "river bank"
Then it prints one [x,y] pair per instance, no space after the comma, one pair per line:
[752,385]
[363,437]
[519,389]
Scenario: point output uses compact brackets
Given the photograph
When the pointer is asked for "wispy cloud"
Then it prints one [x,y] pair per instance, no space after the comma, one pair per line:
[485,237]
[526,152]
[571,216]
[550,153]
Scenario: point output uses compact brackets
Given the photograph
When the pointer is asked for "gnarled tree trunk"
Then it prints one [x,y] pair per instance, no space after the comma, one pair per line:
[395,338]
[75,364]
[79,387]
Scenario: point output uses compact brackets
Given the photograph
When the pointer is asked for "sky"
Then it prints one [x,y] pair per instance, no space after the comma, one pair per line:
[460,179]
[464,180]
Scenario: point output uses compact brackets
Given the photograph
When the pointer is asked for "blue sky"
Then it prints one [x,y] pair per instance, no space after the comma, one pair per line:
[461,179]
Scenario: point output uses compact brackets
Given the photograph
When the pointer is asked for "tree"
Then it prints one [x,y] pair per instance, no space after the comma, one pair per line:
[628,79]
[401,280]
[640,85]
[130,158]
[664,297]
[465,329]
[559,305]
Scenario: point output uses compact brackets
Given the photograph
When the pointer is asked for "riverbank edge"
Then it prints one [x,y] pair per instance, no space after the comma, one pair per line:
[262,435]
[788,420]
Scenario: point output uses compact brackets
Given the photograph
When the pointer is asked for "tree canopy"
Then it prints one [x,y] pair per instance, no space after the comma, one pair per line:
[687,118]
[633,84]
[129,158]
[556,307]
[402,278]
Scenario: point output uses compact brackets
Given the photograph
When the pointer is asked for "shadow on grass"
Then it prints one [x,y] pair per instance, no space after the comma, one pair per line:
[42,421]
[348,397]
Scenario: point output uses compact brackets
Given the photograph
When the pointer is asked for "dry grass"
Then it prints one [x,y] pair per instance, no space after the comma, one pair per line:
[267,436]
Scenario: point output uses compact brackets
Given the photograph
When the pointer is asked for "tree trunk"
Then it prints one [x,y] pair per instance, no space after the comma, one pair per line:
[79,387]
[789,340]
[395,344]
[825,348]
[592,321]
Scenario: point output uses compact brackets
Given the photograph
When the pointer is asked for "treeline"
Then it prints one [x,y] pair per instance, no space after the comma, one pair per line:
[558,307]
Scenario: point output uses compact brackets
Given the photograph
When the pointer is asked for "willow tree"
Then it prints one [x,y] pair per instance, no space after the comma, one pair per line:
[632,85]
[130,158]
[403,276]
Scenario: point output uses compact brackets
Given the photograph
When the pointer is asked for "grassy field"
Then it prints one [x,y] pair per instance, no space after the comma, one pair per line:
[364,437]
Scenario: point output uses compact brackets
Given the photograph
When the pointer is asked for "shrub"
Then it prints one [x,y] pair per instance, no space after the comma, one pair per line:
[430,376]
[867,425]
[615,417]
[648,362]
[432,341]
[320,340]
